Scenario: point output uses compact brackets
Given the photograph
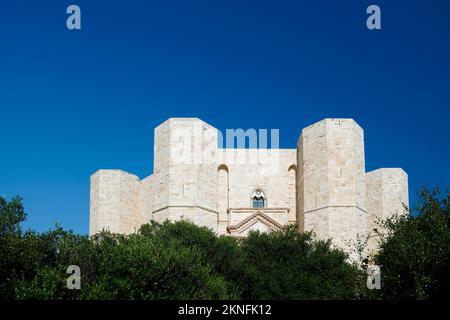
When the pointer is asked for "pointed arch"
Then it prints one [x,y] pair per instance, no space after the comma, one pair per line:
[258,198]
[223,190]
[292,187]
[222,167]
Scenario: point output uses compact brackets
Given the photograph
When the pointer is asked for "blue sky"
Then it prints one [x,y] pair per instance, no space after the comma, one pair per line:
[72,102]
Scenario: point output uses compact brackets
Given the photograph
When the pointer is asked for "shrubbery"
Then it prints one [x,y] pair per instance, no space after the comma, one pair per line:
[183,261]
[415,257]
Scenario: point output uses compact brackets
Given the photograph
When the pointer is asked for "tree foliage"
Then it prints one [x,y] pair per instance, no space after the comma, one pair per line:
[183,261]
[415,256]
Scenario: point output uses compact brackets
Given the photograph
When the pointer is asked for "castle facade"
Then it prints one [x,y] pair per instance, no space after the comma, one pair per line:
[321,185]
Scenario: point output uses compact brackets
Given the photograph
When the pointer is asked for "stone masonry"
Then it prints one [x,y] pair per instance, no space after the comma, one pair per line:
[321,185]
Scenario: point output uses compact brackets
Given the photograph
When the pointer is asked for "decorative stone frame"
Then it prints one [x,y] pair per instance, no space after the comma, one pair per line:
[252,194]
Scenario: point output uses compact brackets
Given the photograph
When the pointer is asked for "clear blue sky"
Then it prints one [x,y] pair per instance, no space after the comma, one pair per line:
[72,102]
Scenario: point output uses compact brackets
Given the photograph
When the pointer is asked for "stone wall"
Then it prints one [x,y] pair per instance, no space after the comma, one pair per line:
[185,171]
[265,169]
[197,215]
[333,181]
[146,198]
[321,185]
[387,193]
[114,202]
[222,199]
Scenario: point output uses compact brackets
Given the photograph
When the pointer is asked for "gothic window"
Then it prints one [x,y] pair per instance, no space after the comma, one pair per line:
[258,199]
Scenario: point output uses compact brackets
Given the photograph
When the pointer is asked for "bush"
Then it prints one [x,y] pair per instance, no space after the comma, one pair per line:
[277,265]
[291,265]
[183,261]
[415,257]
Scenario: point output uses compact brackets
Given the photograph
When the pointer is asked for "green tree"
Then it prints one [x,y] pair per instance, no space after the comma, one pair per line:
[125,267]
[11,265]
[22,254]
[183,261]
[292,265]
[276,265]
[415,256]
[223,253]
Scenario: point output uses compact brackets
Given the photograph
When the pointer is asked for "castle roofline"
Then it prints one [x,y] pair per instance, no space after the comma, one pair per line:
[334,119]
[386,170]
[100,171]
[184,119]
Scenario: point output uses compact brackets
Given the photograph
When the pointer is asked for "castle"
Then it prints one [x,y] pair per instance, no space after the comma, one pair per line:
[321,185]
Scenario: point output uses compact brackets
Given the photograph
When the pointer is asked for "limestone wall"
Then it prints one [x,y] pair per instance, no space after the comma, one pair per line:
[185,171]
[300,186]
[333,180]
[387,192]
[322,184]
[114,202]
[161,152]
[222,199]
[197,215]
[269,170]
[146,198]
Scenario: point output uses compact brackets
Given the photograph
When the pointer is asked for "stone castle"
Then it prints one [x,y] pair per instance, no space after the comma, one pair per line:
[321,185]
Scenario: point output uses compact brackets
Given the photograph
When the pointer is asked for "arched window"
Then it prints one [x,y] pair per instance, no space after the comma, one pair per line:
[258,199]
[222,191]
